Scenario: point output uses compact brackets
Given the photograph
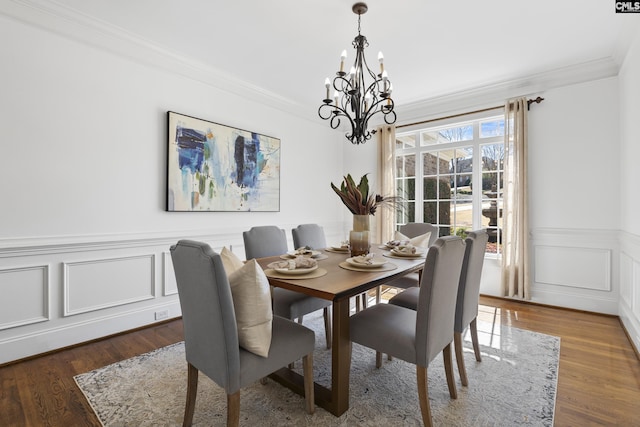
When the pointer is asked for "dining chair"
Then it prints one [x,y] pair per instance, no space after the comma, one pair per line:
[418,336]
[467,299]
[269,240]
[311,235]
[415,229]
[411,230]
[211,333]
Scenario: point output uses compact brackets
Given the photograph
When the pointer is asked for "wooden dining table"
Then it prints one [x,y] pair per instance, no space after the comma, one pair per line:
[337,285]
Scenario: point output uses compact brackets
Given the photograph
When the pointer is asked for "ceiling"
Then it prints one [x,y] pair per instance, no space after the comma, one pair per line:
[432,47]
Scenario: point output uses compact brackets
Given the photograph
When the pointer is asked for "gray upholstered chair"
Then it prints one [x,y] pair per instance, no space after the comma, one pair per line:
[467,300]
[311,235]
[413,229]
[269,240]
[418,336]
[211,334]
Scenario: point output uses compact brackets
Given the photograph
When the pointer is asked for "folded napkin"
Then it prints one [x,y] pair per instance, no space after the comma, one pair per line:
[344,244]
[364,259]
[292,264]
[305,250]
[420,241]
[406,249]
[395,243]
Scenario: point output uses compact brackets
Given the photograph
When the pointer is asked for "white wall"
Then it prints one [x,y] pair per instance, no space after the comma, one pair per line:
[574,163]
[84,235]
[629,309]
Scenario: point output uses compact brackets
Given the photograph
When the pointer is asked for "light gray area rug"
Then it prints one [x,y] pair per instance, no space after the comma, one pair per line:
[514,385]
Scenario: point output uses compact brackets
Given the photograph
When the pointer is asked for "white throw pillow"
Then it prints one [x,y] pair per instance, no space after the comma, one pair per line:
[252,303]
[421,240]
[230,261]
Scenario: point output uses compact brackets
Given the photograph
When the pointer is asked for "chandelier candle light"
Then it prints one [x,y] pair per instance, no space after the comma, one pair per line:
[354,98]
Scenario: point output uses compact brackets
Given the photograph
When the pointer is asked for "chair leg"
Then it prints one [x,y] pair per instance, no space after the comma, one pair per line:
[378,294]
[473,329]
[365,302]
[378,359]
[327,325]
[233,409]
[300,319]
[423,396]
[307,369]
[448,369]
[457,340]
[192,392]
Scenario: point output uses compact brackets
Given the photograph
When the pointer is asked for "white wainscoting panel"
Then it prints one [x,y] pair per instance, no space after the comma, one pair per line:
[576,267]
[629,303]
[626,278]
[25,296]
[635,281]
[170,287]
[102,283]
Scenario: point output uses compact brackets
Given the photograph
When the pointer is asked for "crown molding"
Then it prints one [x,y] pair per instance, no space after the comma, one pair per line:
[496,93]
[54,17]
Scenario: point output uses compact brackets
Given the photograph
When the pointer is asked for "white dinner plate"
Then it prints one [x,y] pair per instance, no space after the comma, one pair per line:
[418,254]
[375,263]
[296,271]
[340,248]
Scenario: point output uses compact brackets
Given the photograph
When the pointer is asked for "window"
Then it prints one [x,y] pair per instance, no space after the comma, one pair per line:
[437,169]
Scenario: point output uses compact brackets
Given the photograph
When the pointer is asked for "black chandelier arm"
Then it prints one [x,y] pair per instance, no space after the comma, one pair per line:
[335,113]
[345,85]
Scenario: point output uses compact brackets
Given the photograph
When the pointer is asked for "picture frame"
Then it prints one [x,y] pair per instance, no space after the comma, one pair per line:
[217,168]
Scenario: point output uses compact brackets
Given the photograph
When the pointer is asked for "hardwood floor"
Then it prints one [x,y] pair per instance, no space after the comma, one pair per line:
[598,384]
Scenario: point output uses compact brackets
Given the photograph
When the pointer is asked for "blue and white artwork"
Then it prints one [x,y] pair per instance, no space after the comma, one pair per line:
[213,167]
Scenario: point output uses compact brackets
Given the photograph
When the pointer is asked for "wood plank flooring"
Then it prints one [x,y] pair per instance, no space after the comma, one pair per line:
[598,384]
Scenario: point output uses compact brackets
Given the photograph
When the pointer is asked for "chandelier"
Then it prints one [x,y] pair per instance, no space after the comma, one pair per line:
[359,94]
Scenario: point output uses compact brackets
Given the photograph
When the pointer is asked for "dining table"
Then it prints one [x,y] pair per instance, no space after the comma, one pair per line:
[340,280]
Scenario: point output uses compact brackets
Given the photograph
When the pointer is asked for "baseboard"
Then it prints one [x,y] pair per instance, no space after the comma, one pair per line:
[631,327]
[52,339]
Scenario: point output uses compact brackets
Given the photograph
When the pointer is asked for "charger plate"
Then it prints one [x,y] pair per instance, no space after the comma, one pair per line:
[318,272]
[316,257]
[337,251]
[392,255]
[386,267]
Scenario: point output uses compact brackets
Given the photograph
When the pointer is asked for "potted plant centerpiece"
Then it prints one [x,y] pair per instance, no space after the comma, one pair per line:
[362,204]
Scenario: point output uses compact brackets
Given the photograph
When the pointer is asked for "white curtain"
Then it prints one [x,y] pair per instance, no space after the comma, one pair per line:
[385,218]
[515,238]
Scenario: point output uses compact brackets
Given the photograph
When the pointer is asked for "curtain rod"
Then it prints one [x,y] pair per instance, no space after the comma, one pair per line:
[538,100]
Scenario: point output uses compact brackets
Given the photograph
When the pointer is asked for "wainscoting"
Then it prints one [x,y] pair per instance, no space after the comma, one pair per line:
[576,269]
[591,270]
[629,305]
[60,292]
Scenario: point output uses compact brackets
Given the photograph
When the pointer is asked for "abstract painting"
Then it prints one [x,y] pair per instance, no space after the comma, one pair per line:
[213,167]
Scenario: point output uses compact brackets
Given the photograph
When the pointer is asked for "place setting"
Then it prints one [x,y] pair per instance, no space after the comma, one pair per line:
[305,251]
[368,263]
[300,267]
[341,248]
[403,249]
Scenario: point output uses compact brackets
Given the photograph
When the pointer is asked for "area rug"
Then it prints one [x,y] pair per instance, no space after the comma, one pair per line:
[514,385]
